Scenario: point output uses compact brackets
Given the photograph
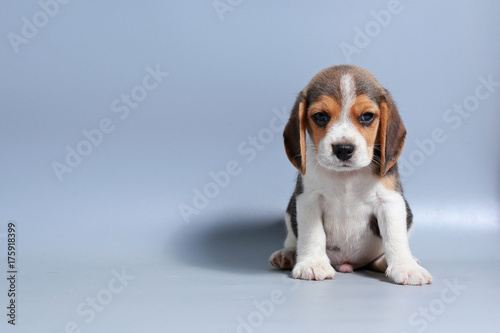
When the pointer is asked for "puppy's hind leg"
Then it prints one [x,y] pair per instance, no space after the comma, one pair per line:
[285,258]
[379,264]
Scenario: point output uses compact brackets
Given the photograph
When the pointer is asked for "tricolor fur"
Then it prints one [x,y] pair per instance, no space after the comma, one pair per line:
[348,211]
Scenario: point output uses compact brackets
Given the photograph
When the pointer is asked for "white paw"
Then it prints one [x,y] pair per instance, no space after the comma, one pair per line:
[409,273]
[312,269]
[284,258]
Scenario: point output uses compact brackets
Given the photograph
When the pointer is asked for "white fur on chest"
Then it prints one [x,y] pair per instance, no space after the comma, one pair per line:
[347,201]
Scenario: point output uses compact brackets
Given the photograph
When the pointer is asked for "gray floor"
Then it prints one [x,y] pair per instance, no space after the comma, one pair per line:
[216,278]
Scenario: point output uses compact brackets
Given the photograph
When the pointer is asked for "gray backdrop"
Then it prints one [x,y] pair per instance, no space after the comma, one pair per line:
[147,136]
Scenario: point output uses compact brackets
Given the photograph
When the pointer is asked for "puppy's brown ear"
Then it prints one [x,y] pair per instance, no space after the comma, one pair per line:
[392,133]
[294,134]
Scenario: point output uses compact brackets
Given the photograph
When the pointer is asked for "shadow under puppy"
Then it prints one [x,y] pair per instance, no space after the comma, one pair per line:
[348,211]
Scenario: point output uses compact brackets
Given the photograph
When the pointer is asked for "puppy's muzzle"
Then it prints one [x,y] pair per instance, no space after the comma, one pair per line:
[343,151]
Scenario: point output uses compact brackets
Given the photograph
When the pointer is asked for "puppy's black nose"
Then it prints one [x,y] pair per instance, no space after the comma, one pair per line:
[343,151]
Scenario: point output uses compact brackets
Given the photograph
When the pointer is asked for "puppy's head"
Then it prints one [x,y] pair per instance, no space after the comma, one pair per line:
[351,120]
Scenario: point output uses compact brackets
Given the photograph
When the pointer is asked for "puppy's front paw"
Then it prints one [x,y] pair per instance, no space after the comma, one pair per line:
[313,269]
[409,273]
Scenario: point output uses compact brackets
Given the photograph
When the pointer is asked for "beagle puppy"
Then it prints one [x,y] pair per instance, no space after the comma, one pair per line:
[348,211]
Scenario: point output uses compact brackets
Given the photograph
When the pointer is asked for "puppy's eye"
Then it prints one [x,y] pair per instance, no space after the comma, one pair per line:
[321,119]
[366,118]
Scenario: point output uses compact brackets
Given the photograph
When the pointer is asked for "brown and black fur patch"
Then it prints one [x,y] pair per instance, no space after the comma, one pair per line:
[327,82]
[292,204]
[392,134]
[324,104]
[374,226]
[292,133]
